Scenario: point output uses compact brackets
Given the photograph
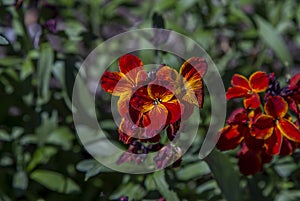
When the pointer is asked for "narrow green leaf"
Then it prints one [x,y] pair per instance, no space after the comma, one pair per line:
[226,177]
[55,181]
[273,39]
[44,72]
[163,186]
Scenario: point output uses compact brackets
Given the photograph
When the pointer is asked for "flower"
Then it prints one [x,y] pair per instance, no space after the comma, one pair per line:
[249,89]
[274,125]
[158,103]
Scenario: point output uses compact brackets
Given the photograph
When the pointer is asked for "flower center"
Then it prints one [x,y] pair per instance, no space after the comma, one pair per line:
[156,101]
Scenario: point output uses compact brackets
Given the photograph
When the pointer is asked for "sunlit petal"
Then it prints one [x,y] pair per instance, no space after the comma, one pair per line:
[129,62]
[160,93]
[276,106]
[273,143]
[263,127]
[192,66]
[230,138]
[252,101]
[236,92]
[289,130]
[240,81]
[259,81]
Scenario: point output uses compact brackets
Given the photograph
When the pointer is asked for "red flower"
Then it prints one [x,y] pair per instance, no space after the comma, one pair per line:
[158,103]
[274,125]
[123,83]
[249,89]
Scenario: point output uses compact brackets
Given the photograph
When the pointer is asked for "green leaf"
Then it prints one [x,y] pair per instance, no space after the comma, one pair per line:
[133,191]
[55,181]
[20,180]
[91,168]
[41,156]
[61,136]
[273,39]
[4,136]
[163,186]
[226,177]
[193,171]
[3,41]
[44,72]
[10,61]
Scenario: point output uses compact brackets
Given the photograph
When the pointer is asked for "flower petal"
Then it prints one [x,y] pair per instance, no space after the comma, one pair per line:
[158,117]
[159,92]
[259,81]
[263,127]
[192,66]
[276,106]
[238,80]
[129,62]
[273,143]
[175,110]
[250,161]
[141,100]
[252,101]
[194,92]
[238,116]
[109,80]
[192,72]
[289,130]
[230,138]
[236,92]
[294,82]
[287,147]
[167,77]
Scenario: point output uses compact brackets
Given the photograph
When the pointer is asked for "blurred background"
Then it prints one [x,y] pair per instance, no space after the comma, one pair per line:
[44,42]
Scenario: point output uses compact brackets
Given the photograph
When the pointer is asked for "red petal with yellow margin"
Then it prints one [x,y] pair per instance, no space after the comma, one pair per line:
[259,81]
[230,138]
[238,80]
[236,92]
[252,101]
[263,127]
[289,130]
[276,106]
[129,62]
[273,143]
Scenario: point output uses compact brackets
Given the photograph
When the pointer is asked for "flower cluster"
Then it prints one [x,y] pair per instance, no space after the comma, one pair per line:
[268,122]
[153,102]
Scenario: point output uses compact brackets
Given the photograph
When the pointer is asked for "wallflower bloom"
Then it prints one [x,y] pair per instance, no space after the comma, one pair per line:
[248,89]
[273,125]
[261,133]
[152,102]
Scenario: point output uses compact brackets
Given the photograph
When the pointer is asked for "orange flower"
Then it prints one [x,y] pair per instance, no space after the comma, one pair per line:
[249,89]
